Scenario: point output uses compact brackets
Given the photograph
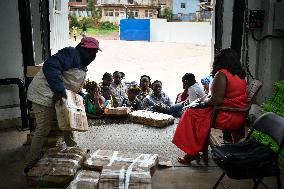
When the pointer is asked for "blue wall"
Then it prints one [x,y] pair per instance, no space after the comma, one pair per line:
[135,29]
[191,6]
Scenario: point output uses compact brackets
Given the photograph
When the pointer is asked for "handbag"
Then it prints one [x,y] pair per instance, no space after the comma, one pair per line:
[243,160]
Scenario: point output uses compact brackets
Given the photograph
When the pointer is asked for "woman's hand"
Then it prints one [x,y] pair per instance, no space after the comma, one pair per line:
[218,90]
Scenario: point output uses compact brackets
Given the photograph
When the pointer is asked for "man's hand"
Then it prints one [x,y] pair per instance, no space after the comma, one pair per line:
[58,96]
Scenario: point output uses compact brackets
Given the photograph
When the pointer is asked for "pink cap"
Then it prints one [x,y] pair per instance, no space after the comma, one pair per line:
[90,43]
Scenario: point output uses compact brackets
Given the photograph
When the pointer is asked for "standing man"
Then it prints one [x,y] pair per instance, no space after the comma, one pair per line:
[64,70]
[84,29]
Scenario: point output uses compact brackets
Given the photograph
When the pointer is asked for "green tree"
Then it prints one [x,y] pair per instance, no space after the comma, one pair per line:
[97,15]
[73,21]
[167,14]
[90,5]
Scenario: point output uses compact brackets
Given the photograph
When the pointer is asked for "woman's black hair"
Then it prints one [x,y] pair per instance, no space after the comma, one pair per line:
[118,72]
[228,59]
[157,81]
[189,77]
[106,75]
[146,76]
[90,85]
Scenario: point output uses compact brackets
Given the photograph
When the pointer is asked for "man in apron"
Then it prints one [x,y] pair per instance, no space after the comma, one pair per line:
[64,70]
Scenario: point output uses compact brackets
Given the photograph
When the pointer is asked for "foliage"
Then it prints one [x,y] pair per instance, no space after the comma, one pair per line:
[167,14]
[93,25]
[73,21]
[107,26]
[90,5]
[97,15]
[88,21]
[97,12]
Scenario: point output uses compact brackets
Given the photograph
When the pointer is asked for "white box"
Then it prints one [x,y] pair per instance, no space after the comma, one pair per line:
[71,114]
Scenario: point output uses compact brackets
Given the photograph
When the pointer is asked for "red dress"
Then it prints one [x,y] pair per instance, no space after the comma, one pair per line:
[193,127]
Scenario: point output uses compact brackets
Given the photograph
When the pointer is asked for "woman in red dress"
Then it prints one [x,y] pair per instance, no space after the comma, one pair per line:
[228,89]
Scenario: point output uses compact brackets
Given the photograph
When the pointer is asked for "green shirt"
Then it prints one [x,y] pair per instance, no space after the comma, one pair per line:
[90,105]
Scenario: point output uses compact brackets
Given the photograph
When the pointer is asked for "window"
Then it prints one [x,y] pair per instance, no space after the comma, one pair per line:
[57,5]
[182,5]
[148,13]
[116,13]
[108,12]
[130,1]
[134,13]
[80,1]
[122,13]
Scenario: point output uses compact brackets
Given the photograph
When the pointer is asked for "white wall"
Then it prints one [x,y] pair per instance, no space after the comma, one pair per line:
[227,23]
[59,27]
[11,60]
[181,32]
[266,56]
[36,31]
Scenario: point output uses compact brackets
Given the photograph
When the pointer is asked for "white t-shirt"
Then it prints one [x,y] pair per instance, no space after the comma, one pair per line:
[194,92]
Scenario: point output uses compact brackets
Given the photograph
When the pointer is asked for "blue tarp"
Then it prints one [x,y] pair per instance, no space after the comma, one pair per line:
[135,29]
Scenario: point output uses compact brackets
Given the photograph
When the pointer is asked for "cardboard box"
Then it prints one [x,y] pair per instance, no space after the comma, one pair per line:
[71,115]
[57,168]
[119,111]
[122,177]
[154,119]
[33,70]
[52,172]
[106,158]
[85,180]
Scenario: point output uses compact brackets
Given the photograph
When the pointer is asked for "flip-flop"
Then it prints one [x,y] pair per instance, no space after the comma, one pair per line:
[187,159]
[182,160]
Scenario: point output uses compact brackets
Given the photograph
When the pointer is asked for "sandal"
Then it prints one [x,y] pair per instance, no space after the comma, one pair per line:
[187,159]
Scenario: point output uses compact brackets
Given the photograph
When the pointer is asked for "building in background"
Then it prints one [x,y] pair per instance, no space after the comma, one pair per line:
[114,10]
[185,10]
[80,8]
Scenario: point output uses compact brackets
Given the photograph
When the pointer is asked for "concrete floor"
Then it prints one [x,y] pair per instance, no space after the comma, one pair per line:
[13,153]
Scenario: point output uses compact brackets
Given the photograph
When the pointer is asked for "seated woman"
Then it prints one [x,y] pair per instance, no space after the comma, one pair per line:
[193,92]
[132,101]
[228,89]
[145,86]
[109,98]
[118,88]
[157,101]
[107,80]
[94,102]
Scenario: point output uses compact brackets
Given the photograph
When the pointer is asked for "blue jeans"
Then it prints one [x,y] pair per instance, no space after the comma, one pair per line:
[176,109]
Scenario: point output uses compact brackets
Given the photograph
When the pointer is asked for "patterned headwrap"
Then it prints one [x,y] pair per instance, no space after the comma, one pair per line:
[134,88]
[205,80]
